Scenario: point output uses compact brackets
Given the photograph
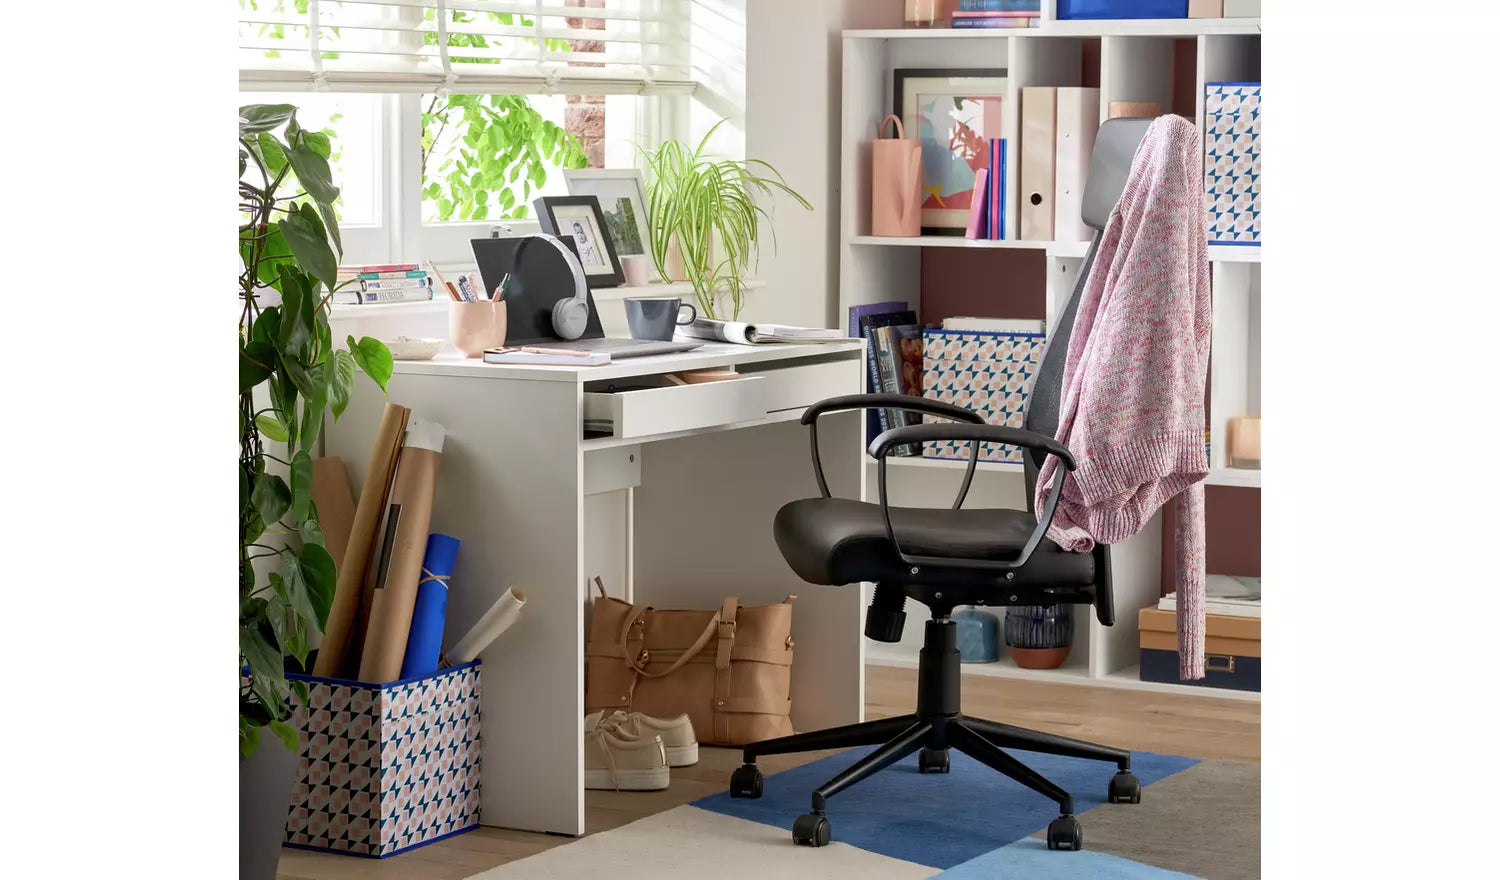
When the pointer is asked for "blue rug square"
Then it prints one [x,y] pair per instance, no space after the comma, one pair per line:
[940,820]
[1030,859]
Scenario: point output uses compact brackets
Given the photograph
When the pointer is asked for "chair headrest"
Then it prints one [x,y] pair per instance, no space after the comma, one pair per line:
[1109,167]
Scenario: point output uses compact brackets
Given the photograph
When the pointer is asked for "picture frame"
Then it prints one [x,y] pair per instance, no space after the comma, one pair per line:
[582,219]
[954,112]
[622,200]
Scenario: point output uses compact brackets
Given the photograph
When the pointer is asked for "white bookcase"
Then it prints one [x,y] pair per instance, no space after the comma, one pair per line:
[1135,63]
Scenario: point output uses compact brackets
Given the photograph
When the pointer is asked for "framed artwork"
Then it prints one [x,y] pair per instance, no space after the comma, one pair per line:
[954,113]
[622,199]
[582,219]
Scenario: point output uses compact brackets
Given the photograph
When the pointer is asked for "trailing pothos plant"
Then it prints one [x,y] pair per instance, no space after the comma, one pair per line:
[290,375]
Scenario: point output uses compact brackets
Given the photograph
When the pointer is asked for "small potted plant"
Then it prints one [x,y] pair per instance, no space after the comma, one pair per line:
[290,374]
[705,218]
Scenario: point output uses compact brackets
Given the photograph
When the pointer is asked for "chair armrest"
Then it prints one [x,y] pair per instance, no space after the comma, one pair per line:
[982,433]
[976,434]
[889,401]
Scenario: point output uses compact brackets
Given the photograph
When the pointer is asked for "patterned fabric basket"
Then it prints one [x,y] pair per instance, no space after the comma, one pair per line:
[1231,135]
[384,768]
[984,371]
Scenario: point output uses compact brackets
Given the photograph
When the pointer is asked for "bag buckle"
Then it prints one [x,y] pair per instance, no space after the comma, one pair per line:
[724,623]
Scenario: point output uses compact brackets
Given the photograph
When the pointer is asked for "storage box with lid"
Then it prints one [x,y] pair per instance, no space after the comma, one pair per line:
[1231,649]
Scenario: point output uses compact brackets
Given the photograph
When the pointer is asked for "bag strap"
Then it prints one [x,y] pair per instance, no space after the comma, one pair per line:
[632,658]
[900,129]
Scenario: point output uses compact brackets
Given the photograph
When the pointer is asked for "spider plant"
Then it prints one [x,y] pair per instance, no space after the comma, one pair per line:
[709,208]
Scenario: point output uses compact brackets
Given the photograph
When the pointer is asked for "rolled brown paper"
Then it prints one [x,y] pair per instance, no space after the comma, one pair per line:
[1134,109]
[333,657]
[335,503]
[398,567]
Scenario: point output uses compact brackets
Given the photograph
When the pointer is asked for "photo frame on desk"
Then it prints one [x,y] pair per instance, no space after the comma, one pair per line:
[954,113]
[582,219]
[622,200]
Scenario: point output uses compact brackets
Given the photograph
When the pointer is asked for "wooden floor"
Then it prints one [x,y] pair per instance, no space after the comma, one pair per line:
[1201,727]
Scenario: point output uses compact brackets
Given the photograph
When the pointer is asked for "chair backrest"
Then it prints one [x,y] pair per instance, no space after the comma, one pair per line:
[1109,168]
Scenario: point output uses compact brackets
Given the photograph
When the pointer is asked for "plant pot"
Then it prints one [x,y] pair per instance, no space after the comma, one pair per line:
[1039,636]
[676,269]
[266,780]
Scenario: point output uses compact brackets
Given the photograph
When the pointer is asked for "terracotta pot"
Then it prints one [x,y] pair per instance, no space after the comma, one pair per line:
[1039,636]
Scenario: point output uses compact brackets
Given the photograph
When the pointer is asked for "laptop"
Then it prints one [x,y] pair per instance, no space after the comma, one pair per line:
[548,279]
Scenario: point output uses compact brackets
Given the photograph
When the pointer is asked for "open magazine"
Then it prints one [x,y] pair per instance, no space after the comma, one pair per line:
[744,333]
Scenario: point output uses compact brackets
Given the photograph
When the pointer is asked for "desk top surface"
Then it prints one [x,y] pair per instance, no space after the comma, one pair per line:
[712,354]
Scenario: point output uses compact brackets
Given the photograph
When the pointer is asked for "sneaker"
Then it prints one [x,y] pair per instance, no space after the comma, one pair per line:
[676,733]
[624,764]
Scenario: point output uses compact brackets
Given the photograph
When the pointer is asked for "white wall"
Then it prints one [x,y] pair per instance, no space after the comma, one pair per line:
[792,92]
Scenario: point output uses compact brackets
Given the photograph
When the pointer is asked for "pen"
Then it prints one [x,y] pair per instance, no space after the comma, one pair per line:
[557,351]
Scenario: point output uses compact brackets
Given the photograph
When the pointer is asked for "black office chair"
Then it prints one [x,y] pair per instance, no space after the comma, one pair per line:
[947,558]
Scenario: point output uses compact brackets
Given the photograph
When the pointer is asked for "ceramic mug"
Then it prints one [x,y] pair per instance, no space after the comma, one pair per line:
[653,318]
[476,326]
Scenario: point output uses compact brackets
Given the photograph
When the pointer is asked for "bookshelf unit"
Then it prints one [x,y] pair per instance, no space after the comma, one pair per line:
[1164,61]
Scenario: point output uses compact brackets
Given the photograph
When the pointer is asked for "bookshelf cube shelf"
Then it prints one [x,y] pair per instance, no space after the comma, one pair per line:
[1165,61]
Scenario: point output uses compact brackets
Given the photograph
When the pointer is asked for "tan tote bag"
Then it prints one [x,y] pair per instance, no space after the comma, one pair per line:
[729,669]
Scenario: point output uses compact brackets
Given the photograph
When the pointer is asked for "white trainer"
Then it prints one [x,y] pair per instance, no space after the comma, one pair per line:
[676,733]
[610,762]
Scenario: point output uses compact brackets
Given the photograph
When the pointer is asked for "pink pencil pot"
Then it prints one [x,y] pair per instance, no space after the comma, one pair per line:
[476,326]
[895,183]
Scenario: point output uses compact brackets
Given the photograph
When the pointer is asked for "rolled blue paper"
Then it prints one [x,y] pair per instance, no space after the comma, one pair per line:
[425,642]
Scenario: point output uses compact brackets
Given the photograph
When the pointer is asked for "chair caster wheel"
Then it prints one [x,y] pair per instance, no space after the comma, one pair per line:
[932,761]
[746,782]
[811,829]
[1065,833]
[1124,788]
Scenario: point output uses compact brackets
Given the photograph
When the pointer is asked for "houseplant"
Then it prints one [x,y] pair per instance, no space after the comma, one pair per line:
[707,209]
[290,375]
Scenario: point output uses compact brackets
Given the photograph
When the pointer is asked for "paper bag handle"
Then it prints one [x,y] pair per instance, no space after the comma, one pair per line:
[889,118]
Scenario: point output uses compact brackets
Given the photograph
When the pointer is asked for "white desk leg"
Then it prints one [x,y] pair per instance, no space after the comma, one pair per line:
[510,489]
[703,516]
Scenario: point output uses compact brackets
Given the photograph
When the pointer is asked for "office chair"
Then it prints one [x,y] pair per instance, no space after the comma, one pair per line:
[947,558]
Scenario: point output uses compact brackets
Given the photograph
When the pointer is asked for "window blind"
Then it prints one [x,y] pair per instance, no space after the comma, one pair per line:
[589,47]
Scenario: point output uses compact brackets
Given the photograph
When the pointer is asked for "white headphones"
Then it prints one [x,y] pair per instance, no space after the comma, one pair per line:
[570,316]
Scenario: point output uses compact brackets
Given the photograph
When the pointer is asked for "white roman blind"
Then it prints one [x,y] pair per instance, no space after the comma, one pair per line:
[587,47]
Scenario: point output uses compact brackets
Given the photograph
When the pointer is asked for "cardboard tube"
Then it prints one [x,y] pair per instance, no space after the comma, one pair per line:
[330,492]
[398,567]
[337,635]
[495,621]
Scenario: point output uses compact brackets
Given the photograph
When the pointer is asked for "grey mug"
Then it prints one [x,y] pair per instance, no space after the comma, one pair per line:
[657,318]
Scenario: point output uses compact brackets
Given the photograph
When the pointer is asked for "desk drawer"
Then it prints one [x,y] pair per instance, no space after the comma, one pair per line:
[801,386]
[662,410]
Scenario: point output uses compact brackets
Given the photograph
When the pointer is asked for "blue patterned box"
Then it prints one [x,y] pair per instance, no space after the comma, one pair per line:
[386,767]
[1231,165]
[987,372]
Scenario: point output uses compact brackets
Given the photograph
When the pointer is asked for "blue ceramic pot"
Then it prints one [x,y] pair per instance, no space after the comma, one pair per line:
[978,635]
[1039,636]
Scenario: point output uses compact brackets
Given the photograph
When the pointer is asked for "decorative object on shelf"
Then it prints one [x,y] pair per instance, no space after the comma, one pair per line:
[710,211]
[290,376]
[987,372]
[1231,136]
[622,201]
[1105,9]
[895,182]
[1205,8]
[978,635]
[1244,442]
[476,326]
[996,14]
[405,348]
[954,114]
[637,269]
[979,215]
[582,218]
[1134,109]
[657,317]
[1039,636]
[923,13]
[1242,8]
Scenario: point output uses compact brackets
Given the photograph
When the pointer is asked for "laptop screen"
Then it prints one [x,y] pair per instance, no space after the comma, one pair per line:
[541,282]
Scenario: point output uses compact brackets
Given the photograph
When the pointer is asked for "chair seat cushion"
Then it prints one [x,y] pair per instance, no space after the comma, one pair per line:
[841,541]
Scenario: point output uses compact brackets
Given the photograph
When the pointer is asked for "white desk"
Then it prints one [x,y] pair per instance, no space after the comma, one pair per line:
[678,514]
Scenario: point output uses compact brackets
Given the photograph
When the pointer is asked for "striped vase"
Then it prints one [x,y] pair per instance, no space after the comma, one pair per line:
[1039,636]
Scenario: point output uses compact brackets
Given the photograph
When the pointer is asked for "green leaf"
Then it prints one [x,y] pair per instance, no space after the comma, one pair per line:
[302,380]
[306,237]
[312,533]
[271,497]
[249,738]
[331,223]
[271,152]
[271,427]
[262,652]
[256,118]
[300,689]
[267,327]
[302,476]
[374,358]
[287,734]
[296,320]
[340,372]
[256,361]
[318,142]
[312,170]
[313,407]
[310,583]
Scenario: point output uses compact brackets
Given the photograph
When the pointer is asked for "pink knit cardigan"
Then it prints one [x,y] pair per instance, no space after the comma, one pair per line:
[1133,385]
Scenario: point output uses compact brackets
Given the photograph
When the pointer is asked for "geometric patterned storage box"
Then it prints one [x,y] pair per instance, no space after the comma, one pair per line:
[1231,166]
[384,768]
[984,371]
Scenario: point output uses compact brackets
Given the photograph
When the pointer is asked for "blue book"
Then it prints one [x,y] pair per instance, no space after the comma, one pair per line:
[991,23]
[996,189]
[1000,6]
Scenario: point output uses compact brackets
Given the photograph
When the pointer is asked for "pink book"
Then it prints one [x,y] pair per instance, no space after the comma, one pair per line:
[977,204]
[1009,13]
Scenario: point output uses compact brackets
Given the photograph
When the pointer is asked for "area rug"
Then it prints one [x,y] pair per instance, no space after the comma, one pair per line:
[1196,819]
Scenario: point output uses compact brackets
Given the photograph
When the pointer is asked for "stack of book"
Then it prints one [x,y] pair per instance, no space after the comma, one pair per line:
[398,282]
[988,203]
[893,359]
[997,13]
[985,365]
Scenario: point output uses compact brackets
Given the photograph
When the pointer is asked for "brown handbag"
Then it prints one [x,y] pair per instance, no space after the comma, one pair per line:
[729,669]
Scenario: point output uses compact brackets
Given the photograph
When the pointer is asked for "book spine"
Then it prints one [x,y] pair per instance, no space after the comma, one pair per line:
[393,267]
[395,284]
[410,273]
[390,296]
[1034,6]
[991,23]
[992,14]
[872,366]
[885,358]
